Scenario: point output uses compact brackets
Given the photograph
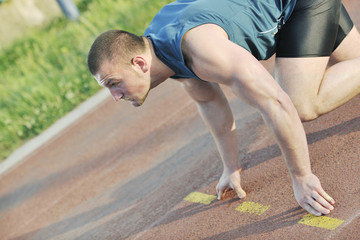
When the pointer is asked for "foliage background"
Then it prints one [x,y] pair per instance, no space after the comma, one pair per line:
[45,75]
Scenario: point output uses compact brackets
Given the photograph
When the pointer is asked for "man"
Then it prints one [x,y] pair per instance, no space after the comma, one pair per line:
[204,43]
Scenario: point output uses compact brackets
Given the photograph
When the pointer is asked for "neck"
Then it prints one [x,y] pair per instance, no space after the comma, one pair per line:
[159,72]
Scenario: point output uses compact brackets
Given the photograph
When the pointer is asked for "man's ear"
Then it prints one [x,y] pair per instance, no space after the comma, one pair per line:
[140,63]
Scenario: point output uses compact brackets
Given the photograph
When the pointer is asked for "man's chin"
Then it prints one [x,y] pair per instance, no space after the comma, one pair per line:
[139,102]
[136,104]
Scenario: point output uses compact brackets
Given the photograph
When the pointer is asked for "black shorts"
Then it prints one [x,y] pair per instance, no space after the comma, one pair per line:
[315,28]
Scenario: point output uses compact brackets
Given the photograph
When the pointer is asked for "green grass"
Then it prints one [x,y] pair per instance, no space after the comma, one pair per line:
[45,75]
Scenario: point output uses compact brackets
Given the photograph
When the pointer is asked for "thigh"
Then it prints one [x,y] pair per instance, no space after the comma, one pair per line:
[300,77]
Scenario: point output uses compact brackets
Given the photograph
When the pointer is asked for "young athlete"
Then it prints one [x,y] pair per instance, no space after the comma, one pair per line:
[204,43]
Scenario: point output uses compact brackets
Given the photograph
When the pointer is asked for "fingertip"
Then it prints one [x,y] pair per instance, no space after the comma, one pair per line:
[241,194]
[242,197]
[327,197]
[316,213]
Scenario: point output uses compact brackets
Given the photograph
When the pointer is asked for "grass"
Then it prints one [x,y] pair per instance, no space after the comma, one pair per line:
[45,75]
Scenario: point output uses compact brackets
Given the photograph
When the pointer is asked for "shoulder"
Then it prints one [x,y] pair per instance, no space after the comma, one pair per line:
[202,37]
[213,57]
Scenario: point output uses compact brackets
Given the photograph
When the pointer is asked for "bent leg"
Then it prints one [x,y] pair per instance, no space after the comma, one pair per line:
[316,90]
[316,30]
[301,78]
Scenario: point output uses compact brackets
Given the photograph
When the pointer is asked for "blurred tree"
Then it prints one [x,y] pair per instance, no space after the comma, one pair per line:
[69,9]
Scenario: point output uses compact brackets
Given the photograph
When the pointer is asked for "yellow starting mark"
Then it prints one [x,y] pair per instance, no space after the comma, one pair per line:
[197,197]
[322,221]
[253,208]
[258,209]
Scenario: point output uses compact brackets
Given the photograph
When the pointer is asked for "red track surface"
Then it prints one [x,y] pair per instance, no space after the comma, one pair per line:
[123,173]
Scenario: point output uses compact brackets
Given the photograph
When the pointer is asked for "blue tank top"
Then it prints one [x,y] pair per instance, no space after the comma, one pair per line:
[252,24]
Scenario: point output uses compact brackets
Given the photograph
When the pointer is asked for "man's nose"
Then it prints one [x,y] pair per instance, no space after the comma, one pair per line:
[117,96]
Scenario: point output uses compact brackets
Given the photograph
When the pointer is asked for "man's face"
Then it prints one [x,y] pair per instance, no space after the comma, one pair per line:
[130,83]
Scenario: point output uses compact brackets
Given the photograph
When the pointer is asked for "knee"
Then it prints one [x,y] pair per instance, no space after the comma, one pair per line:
[307,112]
[308,116]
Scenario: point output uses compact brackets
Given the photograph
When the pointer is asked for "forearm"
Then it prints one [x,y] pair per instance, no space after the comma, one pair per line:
[289,133]
[219,120]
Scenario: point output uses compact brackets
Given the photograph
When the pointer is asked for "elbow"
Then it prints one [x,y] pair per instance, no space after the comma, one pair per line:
[286,104]
[304,114]
[280,106]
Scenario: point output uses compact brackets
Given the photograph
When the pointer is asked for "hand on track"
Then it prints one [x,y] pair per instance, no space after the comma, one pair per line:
[230,180]
[311,196]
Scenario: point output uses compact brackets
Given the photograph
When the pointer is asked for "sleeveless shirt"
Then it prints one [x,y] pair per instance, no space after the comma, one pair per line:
[251,24]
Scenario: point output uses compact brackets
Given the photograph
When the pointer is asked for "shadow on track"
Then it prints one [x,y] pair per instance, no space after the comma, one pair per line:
[176,177]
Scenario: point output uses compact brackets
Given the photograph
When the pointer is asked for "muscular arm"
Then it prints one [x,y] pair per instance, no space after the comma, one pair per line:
[216,113]
[215,59]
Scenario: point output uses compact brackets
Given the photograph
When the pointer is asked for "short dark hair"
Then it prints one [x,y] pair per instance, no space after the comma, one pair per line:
[114,45]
